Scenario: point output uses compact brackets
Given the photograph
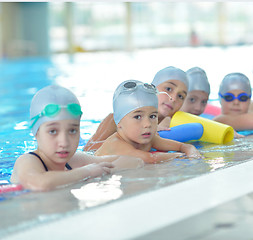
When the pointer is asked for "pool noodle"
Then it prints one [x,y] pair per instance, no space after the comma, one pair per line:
[212,110]
[10,188]
[214,132]
[183,133]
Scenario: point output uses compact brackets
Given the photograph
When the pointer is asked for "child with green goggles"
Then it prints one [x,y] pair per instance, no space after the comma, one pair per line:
[55,122]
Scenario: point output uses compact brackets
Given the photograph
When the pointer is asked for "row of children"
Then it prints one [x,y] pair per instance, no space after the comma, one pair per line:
[126,137]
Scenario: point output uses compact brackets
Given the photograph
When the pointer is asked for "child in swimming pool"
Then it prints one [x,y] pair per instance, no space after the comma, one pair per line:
[235,95]
[55,116]
[198,91]
[172,83]
[136,116]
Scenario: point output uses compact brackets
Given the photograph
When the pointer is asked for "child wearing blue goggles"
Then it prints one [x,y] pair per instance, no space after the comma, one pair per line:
[235,95]
[229,97]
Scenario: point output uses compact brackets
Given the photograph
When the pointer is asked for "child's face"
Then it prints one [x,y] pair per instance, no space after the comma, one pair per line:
[195,102]
[168,106]
[234,107]
[58,140]
[139,126]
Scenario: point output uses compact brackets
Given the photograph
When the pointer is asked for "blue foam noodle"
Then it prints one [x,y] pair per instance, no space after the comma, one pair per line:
[184,132]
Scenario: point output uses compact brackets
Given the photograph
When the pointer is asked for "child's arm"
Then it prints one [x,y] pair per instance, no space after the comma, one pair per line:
[164,124]
[29,172]
[162,144]
[120,162]
[106,128]
[123,148]
[238,122]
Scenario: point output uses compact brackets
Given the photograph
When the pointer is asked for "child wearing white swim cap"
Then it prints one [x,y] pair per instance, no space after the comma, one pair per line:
[235,95]
[53,103]
[136,116]
[172,84]
[55,122]
[198,91]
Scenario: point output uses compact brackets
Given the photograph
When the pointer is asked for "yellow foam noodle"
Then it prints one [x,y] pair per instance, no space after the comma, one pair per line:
[214,132]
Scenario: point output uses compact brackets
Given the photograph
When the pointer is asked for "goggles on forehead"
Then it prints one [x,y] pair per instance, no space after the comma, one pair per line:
[131,86]
[52,110]
[229,97]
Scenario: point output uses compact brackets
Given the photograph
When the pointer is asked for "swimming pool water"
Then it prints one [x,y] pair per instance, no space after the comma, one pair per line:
[93,78]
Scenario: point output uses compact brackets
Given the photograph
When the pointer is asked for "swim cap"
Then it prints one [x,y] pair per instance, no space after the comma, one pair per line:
[233,81]
[133,94]
[52,95]
[198,80]
[170,73]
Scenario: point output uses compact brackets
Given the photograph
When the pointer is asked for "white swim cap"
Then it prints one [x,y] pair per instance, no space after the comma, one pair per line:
[53,103]
[198,80]
[133,94]
[170,73]
[233,81]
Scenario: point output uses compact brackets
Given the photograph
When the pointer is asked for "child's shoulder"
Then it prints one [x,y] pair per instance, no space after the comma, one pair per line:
[24,159]
[24,156]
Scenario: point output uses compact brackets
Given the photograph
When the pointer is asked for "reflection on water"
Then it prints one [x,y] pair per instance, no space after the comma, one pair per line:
[93,194]
[216,163]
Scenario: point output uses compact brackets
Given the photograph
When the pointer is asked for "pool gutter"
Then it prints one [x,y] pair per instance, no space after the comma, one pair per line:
[139,215]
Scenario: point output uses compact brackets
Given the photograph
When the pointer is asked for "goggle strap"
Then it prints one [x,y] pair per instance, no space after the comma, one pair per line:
[35,118]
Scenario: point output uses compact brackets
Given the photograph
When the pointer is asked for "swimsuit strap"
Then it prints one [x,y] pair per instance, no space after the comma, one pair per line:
[68,166]
[35,154]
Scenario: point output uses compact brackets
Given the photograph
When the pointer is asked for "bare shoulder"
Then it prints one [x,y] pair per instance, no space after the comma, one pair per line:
[24,164]
[25,158]
[113,145]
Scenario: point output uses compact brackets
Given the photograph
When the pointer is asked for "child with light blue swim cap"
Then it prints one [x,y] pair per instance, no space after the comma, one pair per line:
[172,83]
[234,81]
[170,73]
[55,120]
[53,103]
[136,116]
[198,91]
[130,95]
[235,94]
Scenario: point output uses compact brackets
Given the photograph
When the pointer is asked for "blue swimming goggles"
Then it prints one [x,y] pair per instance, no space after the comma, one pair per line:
[229,97]
[131,86]
[52,110]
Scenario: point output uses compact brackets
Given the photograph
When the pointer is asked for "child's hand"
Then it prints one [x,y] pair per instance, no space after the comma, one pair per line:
[162,128]
[165,156]
[99,169]
[190,151]
[175,155]
[237,135]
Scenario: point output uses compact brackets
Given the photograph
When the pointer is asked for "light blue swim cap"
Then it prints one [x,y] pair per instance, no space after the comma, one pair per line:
[198,80]
[131,95]
[233,81]
[170,73]
[52,95]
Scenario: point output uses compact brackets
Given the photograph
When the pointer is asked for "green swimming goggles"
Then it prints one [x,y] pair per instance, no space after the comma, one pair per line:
[52,110]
